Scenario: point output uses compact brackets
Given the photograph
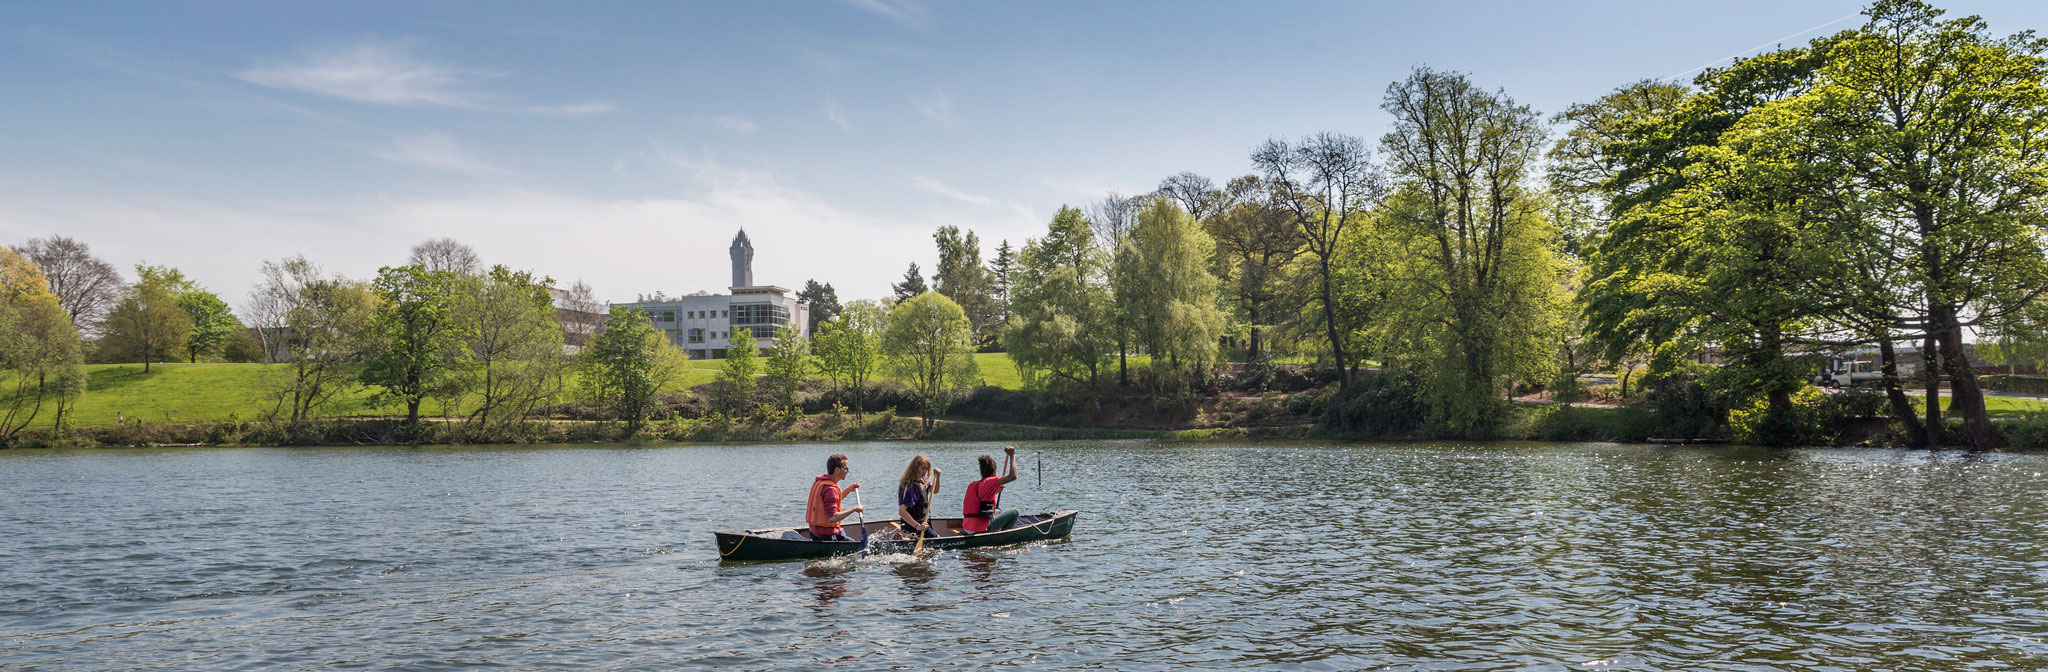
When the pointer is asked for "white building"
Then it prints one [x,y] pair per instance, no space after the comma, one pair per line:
[702,323]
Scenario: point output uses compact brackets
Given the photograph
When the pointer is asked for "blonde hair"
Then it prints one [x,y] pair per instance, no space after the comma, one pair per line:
[919,466]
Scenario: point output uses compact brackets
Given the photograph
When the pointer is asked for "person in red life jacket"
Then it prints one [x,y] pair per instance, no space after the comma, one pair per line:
[914,496]
[823,513]
[982,510]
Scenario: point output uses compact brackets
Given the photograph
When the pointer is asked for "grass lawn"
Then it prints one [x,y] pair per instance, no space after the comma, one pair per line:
[2000,407]
[199,392]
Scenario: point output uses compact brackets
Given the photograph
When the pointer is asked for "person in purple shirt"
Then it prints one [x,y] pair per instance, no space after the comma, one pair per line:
[914,496]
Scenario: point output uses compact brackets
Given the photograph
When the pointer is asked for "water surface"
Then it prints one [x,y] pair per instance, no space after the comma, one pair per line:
[1284,556]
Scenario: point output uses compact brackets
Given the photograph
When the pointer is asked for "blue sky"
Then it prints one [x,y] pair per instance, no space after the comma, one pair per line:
[623,144]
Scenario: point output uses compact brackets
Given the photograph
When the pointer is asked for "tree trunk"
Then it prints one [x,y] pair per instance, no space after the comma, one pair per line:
[1895,392]
[1962,385]
[1330,325]
[412,411]
[1930,365]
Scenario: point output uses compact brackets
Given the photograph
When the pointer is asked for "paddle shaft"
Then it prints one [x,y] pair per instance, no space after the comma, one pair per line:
[863,518]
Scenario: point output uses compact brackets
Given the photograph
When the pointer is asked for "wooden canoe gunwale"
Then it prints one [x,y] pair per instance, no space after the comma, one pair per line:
[780,544]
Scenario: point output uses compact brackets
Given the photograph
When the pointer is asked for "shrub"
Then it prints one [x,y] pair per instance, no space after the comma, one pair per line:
[2027,433]
[1565,423]
[1375,406]
[2011,383]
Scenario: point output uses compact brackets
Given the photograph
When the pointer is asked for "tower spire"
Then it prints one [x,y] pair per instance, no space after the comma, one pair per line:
[742,260]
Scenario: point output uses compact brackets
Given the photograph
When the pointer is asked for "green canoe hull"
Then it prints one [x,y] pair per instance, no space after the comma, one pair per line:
[884,536]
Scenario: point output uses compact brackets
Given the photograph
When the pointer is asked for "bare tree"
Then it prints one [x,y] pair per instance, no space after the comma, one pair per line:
[86,286]
[446,254]
[313,324]
[1324,181]
[1196,194]
[581,314]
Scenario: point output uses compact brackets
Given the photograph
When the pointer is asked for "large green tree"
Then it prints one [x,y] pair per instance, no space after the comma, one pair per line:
[40,362]
[1255,242]
[512,345]
[930,346]
[1174,299]
[1326,182]
[1060,332]
[629,366]
[147,324]
[736,380]
[787,365]
[960,276]
[414,340]
[213,323]
[824,303]
[1478,284]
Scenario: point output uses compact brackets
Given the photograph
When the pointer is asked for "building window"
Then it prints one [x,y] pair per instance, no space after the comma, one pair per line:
[696,335]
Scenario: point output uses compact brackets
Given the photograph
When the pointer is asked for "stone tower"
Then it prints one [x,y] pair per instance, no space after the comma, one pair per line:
[742,260]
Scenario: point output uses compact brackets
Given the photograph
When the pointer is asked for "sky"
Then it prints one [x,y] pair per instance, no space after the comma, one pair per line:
[623,144]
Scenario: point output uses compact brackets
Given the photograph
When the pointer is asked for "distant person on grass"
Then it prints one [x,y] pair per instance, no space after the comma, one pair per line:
[823,512]
[914,492]
[982,510]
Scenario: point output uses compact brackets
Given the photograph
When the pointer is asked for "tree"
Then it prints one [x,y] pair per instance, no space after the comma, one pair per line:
[1942,128]
[1480,280]
[1325,182]
[40,361]
[314,325]
[1255,241]
[1060,331]
[581,315]
[1002,267]
[1112,219]
[446,254]
[1582,161]
[506,322]
[786,366]
[850,350]
[86,287]
[413,339]
[213,324]
[1173,298]
[824,303]
[736,389]
[930,346]
[629,366]
[962,278]
[1197,195]
[147,324]
[912,284]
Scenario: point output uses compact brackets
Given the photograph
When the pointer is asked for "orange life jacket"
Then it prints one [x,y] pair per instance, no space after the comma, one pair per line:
[817,513]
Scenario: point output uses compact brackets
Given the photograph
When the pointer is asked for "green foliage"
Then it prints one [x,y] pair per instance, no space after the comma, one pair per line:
[414,339]
[850,349]
[1473,285]
[961,277]
[1060,333]
[40,355]
[315,325]
[824,303]
[147,325]
[930,346]
[1815,419]
[911,285]
[736,382]
[787,365]
[1172,297]
[511,347]
[629,366]
[213,325]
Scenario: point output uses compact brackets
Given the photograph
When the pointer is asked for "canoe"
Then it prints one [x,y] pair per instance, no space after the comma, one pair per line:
[885,536]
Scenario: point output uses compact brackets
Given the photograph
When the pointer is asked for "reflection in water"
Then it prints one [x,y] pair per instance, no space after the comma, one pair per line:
[1204,555]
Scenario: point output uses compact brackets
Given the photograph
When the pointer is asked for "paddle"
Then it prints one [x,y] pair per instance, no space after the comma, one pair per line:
[919,546]
[863,523]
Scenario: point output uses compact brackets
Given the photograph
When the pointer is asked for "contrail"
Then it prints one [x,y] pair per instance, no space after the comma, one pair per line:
[1780,40]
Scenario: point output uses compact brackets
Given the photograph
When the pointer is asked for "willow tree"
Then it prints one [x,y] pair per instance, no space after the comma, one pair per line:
[1479,280]
[1060,332]
[506,321]
[1173,299]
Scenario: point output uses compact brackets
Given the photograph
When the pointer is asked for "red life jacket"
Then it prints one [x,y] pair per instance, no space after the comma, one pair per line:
[979,505]
[818,513]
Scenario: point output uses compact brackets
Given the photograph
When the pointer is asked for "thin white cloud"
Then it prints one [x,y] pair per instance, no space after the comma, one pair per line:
[938,107]
[735,123]
[374,71]
[438,151]
[587,109]
[934,186]
[904,13]
[940,188]
[836,115]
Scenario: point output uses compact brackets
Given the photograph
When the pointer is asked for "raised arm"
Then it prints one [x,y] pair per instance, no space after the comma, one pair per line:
[1009,464]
